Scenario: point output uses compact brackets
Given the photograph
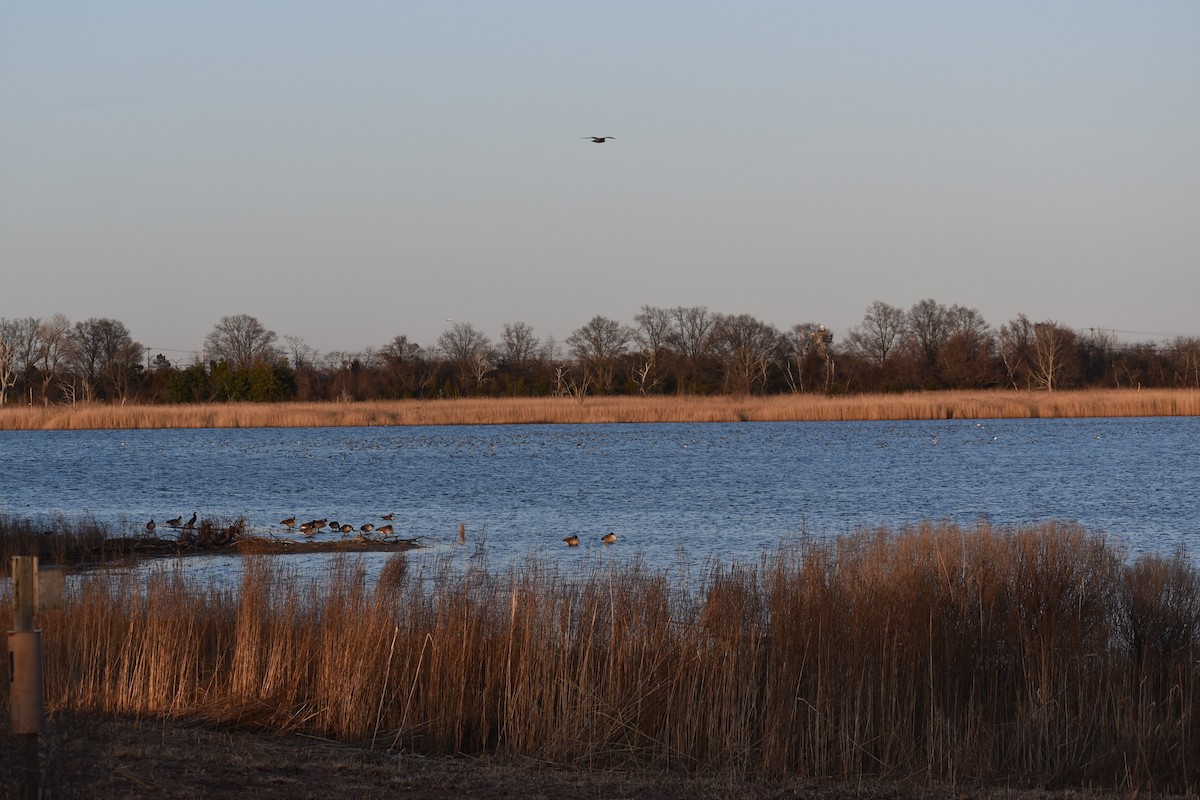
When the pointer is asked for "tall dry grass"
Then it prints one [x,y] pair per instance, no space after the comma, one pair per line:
[57,540]
[924,406]
[1035,656]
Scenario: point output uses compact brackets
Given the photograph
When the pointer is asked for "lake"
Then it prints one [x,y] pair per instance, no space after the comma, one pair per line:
[671,492]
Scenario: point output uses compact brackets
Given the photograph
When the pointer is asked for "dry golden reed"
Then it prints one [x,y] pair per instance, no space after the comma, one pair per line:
[1035,656]
[500,411]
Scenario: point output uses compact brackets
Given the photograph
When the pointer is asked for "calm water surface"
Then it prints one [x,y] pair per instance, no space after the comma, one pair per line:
[670,492]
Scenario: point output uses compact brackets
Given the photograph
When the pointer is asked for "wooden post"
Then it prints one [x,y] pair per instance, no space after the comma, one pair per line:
[25,674]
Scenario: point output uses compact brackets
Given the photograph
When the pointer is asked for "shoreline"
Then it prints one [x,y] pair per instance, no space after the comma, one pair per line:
[944,405]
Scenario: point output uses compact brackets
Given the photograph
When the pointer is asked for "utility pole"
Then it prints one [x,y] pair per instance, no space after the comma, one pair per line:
[25,674]
[26,698]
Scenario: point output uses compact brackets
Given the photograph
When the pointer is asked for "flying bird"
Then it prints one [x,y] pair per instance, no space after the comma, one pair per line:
[598,139]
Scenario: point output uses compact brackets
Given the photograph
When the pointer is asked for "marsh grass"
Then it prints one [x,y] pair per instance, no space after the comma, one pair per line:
[60,541]
[502,411]
[83,543]
[1034,656]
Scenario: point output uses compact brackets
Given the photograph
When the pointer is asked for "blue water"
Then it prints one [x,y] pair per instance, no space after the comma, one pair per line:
[730,491]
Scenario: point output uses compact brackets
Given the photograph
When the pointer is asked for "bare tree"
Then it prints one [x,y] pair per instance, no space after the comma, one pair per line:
[692,340]
[878,334]
[469,352]
[405,366]
[105,357]
[519,347]
[1015,345]
[1183,354]
[300,354]
[807,350]
[1055,356]
[598,346]
[652,336]
[965,358]
[8,358]
[27,347]
[54,346]
[927,327]
[567,383]
[747,348]
[241,340]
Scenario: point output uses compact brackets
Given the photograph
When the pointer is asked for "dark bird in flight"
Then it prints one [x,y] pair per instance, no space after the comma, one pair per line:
[598,139]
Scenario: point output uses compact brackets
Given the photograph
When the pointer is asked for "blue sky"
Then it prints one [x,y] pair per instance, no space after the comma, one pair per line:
[348,172]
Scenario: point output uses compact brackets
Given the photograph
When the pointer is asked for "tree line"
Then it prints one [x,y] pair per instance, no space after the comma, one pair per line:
[680,350]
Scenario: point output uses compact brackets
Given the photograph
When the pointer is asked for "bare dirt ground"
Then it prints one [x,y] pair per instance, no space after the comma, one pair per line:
[91,756]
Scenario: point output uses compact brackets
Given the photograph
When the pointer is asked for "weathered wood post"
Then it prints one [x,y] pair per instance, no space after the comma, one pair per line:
[25,674]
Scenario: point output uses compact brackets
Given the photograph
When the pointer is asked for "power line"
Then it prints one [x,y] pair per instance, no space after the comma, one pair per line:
[1150,333]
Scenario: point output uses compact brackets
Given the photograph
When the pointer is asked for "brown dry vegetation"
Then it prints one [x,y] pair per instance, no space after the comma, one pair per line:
[62,542]
[934,655]
[499,411]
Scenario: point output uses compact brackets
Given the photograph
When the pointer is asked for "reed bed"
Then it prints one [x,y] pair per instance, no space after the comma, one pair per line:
[82,543]
[1028,657]
[502,411]
[57,540]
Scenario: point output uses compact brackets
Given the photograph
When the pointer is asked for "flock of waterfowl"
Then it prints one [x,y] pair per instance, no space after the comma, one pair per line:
[364,532]
[175,523]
